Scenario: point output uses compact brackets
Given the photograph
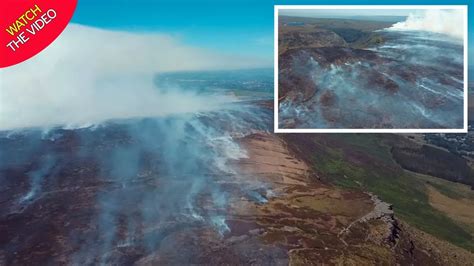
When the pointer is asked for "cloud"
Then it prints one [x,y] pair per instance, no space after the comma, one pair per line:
[450,22]
[90,75]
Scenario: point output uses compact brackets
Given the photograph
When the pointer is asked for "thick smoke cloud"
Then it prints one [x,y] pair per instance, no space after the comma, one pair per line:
[91,75]
[139,180]
[450,22]
[417,82]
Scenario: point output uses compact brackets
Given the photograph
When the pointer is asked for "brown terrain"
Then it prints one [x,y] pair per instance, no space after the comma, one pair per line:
[298,219]
[355,61]
[319,223]
[327,41]
[461,210]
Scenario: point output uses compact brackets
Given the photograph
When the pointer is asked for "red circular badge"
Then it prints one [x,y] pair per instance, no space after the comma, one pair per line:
[29,26]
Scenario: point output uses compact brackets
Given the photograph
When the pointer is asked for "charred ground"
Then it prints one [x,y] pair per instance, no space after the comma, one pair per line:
[352,73]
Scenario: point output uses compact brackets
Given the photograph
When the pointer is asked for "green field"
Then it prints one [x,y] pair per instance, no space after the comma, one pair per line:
[365,162]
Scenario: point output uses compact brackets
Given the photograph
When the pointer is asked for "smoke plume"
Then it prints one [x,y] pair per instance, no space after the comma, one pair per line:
[450,22]
[90,75]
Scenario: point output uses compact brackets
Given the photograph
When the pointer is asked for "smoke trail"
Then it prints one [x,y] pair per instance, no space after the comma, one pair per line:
[37,176]
[90,75]
[155,158]
[163,173]
[450,22]
[139,182]
[410,89]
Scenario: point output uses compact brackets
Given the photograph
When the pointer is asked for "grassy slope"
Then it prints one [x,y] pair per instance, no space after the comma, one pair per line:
[364,161]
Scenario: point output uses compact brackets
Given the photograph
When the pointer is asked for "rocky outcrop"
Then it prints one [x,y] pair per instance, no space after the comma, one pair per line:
[317,223]
[382,211]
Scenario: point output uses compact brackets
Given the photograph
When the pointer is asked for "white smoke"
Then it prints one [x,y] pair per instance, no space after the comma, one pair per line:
[446,21]
[90,75]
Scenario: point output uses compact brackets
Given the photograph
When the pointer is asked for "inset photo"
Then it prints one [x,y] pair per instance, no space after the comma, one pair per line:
[393,69]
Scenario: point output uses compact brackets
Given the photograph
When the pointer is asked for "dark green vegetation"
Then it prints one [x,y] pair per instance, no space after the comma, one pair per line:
[350,35]
[459,144]
[433,161]
[365,162]
[359,38]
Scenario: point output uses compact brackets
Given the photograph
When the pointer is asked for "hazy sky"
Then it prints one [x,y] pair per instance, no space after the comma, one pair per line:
[228,26]
[231,26]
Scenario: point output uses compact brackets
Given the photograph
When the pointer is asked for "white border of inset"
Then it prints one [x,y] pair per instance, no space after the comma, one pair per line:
[329,130]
